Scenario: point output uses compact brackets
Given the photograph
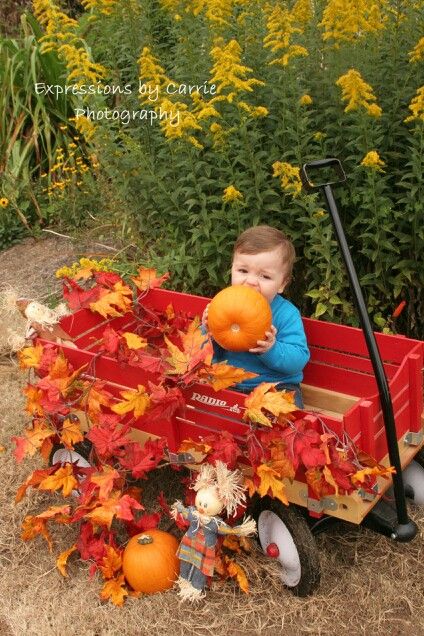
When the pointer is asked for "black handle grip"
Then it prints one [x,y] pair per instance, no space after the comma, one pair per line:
[331,162]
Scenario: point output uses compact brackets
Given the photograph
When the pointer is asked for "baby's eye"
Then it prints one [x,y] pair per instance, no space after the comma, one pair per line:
[266,276]
[205,505]
[242,270]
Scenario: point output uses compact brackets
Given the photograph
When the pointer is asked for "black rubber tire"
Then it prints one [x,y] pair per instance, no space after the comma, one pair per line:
[83,448]
[303,539]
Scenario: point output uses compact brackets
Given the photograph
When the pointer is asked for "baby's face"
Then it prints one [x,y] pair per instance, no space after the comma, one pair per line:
[263,271]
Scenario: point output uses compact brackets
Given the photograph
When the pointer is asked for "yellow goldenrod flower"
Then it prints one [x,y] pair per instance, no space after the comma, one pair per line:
[417,106]
[231,194]
[348,20]
[260,111]
[372,160]
[305,100]
[289,177]
[228,72]
[417,52]
[103,6]
[319,136]
[4,202]
[357,93]
[281,27]
[303,11]
[319,214]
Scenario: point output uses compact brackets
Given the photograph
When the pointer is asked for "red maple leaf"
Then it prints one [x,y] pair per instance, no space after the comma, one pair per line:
[164,402]
[108,438]
[77,297]
[143,523]
[92,545]
[303,445]
[107,279]
[110,340]
[142,459]
[225,449]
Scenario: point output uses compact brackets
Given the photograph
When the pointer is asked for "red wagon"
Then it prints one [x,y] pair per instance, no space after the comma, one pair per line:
[339,389]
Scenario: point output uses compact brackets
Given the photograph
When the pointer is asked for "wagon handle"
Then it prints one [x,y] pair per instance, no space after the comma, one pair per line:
[406,528]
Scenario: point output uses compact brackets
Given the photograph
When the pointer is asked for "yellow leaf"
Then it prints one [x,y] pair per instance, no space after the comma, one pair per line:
[265,397]
[271,483]
[114,590]
[133,341]
[62,478]
[197,348]
[62,559]
[134,400]
[30,357]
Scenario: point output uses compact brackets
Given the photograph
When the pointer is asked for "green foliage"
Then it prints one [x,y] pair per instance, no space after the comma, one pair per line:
[166,194]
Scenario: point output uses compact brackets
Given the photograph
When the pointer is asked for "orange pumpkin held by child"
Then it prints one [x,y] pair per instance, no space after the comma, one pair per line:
[150,562]
[238,317]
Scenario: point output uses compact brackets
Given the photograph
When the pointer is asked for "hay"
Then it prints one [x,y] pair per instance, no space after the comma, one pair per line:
[370,585]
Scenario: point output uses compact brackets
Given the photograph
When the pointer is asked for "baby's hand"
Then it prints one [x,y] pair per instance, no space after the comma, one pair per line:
[205,318]
[262,346]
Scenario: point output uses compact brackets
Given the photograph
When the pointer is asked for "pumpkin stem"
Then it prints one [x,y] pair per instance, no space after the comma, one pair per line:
[144,539]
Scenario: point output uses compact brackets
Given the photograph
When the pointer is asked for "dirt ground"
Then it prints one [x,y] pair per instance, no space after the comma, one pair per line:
[370,585]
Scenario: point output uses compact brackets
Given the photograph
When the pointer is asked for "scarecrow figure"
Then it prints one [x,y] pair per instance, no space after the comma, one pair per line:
[217,488]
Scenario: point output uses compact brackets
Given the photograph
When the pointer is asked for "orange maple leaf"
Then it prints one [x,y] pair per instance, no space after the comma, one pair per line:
[62,478]
[271,484]
[237,573]
[62,559]
[113,303]
[35,525]
[94,399]
[134,400]
[30,357]
[32,439]
[105,480]
[114,506]
[222,375]
[189,444]
[34,396]
[111,562]
[71,432]
[197,348]
[148,279]
[264,396]
[379,471]
[114,590]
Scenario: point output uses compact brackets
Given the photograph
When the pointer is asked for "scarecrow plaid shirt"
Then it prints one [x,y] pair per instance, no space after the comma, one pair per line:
[198,544]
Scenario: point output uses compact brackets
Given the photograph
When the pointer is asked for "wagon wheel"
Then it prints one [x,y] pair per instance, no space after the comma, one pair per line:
[413,478]
[285,535]
[80,454]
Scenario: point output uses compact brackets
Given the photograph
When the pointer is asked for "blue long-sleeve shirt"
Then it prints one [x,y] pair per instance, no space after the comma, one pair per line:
[285,361]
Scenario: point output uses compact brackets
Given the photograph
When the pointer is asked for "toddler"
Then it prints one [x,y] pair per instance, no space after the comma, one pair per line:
[263,258]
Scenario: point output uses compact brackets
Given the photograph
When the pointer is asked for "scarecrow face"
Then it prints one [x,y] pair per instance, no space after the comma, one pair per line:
[207,501]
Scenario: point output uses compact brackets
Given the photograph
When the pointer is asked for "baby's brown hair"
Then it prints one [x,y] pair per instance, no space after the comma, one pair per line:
[264,238]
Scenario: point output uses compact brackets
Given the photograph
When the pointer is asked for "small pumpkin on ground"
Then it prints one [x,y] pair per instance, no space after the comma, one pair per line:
[149,561]
[238,317]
